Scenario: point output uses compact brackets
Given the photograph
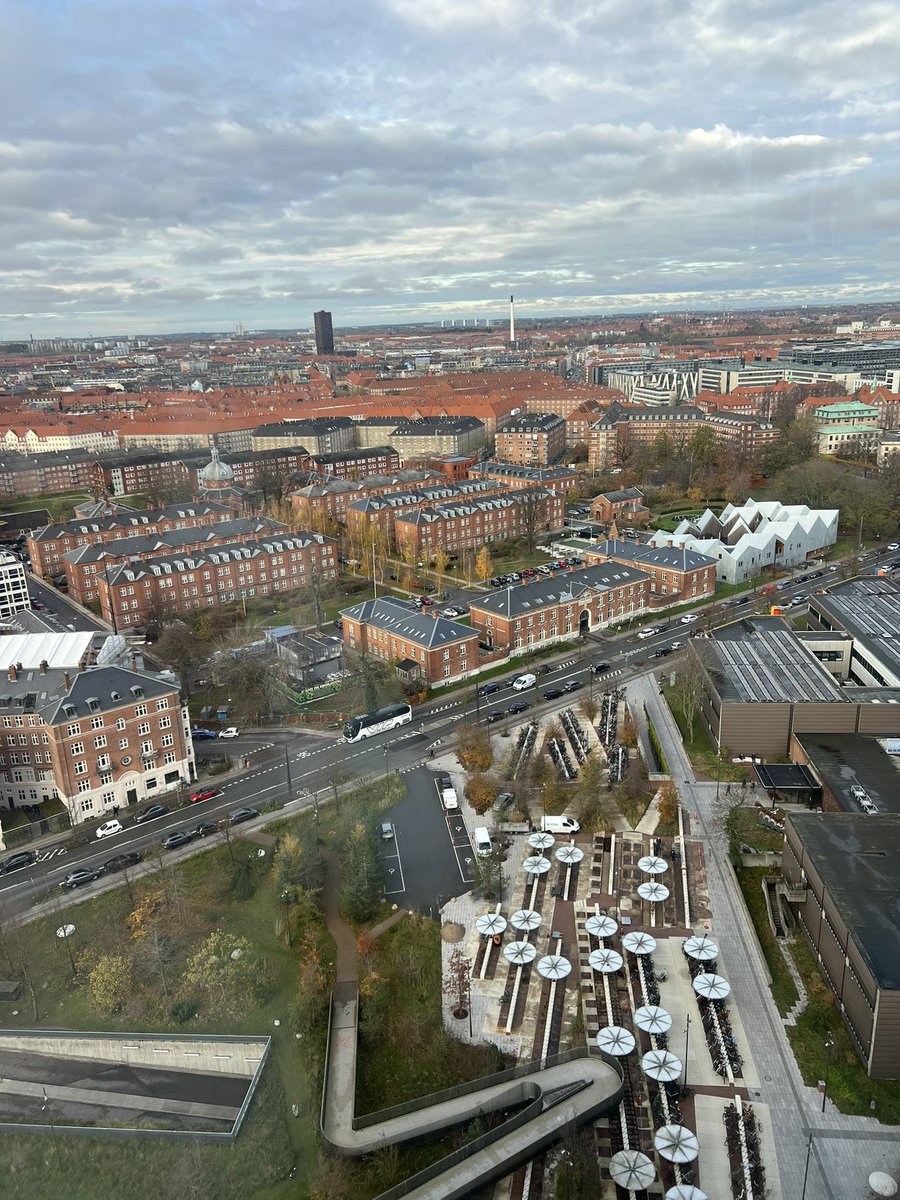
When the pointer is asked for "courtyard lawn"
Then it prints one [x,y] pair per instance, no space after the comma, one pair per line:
[700,750]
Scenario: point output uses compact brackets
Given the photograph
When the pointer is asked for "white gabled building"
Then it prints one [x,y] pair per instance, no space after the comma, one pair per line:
[14,595]
[749,538]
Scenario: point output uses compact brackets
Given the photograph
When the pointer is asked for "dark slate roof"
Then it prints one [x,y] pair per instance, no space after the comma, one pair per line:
[531,423]
[445,426]
[669,412]
[621,495]
[556,589]
[307,425]
[404,619]
[111,686]
[858,859]
[518,471]
[134,520]
[340,456]
[672,557]
[193,560]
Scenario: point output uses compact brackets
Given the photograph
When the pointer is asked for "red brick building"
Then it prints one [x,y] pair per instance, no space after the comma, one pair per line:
[512,475]
[625,505]
[133,594]
[676,575]
[470,524]
[560,607]
[382,510]
[421,647]
[328,499]
[47,546]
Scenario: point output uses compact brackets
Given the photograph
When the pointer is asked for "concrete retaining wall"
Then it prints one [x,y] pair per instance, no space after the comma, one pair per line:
[213,1056]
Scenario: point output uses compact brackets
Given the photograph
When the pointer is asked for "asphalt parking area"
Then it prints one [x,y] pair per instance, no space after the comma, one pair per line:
[428,860]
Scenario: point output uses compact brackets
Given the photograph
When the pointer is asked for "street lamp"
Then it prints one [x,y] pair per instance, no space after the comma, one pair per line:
[287,768]
[806,1171]
[829,1047]
[687,1036]
[386,748]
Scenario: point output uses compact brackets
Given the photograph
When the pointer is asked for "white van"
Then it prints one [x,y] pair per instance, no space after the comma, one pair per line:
[559,825]
[524,681]
[482,839]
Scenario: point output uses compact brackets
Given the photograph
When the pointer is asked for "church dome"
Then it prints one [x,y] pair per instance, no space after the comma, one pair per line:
[216,471]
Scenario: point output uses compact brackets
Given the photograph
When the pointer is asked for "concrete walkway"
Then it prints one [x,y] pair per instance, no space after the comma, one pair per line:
[557,1097]
[844,1149]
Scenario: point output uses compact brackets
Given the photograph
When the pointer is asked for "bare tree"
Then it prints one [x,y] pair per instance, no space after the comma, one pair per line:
[457,982]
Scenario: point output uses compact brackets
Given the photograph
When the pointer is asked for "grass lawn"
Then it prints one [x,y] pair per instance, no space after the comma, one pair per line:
[848,1085]
[700,749]
[784,991]
[749,831]
[61,505]
[196,899]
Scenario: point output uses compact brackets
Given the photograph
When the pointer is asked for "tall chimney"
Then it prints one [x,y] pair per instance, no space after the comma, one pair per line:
[12,674]
[44,665]
[512,322]
[67,680]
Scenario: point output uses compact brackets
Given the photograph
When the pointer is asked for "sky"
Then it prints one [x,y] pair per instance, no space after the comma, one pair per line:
[167,167]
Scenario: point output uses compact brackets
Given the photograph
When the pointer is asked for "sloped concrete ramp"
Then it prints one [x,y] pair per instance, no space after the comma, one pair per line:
[571,1089]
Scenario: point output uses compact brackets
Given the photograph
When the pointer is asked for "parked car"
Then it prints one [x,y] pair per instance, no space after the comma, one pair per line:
[688,618]
[150,814]
[121,862]
[521,682]
[202,735]
[503,802]
[600,667]
[179,837]
[387,831]
[677,645]
[79,877]
[426,602]
[494,716]
[645,633]
[231,732]
[242,814]
[894,546]
[573,685]
[514,709]
[662,651]
[206,793]
[488,689]
[205,828]
[108,828]
[553,693]
[15,862]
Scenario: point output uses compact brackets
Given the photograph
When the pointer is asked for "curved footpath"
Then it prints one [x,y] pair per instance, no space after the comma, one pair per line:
[572,1089]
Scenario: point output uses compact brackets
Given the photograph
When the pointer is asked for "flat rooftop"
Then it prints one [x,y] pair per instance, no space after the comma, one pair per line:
[858,860]
[869,610]
[846,760]
[761,660]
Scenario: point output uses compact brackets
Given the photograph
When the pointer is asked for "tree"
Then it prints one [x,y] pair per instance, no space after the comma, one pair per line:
[457,982]
[668,803]
[269,481]
[110,983]
[595,810]
[178,647]
[484,566]
[441,559]
[481,792]
[533,507]
[473,748]
[690,686]
[361,875]
[487,875]
[298,865]
[628,731]
[252,682]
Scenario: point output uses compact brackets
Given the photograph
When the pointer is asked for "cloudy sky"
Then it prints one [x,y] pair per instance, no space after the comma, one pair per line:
[187,166]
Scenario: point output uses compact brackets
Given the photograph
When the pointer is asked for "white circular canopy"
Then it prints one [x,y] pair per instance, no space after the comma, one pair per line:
[616,1040]
[654,892]
[605,961]
[541,841]
[661,1065]
[525,918]
[600,926]
[639,942]
[685,1191]
[652,864]
[631,1170]
[703,948]
[536,864]
[490,924]
[712,987]
[519,953]
[554,966]
[570,855]
[653,1019]
[676,1143]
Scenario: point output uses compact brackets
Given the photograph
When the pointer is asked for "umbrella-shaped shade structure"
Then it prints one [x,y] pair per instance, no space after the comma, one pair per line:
[677,1144]
[541,841]
[554,966]
[639,942]
[653,1019]
[536,864]
[616,1040]
[685,1191]
[712,987]
[631,1170]
[525,918]
[654,892]
[519,953]
[490,924]
[883,1184]
[570,855]
[605,961]
[702,948]
[661,1066]
[601,926]
[652,864]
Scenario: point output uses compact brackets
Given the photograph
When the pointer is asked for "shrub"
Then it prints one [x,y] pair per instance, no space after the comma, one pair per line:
[481,792]
[182,1011]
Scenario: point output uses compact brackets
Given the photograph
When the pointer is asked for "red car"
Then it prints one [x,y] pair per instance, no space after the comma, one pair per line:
[204,794]
[426,603]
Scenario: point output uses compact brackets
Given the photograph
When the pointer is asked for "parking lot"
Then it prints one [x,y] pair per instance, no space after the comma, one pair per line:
[430,856]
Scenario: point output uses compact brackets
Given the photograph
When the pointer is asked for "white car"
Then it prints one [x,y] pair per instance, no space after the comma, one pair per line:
[524,681]
[688,618]
[231,732]
[645,633]
[894,546]
[108,828]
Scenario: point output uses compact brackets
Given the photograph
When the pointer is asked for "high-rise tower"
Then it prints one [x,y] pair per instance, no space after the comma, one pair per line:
[324,333]
[512,322]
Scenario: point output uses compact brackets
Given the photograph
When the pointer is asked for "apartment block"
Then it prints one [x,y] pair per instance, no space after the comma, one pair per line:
[677,575]
[132,594]
[513,475]
[531,439]
[13,586]
[99,740]
[470,524]
[319,435]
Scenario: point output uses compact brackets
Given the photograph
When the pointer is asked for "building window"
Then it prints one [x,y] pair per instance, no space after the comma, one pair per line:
[144,728]
[71,730]
[99,742]
[81,768]
[85,805]
[76,748]
[120,724]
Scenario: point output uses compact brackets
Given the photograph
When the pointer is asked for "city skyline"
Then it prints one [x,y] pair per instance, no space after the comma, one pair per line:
[413,161]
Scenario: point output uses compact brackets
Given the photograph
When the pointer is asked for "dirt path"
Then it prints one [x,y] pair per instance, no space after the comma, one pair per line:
[346,969]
